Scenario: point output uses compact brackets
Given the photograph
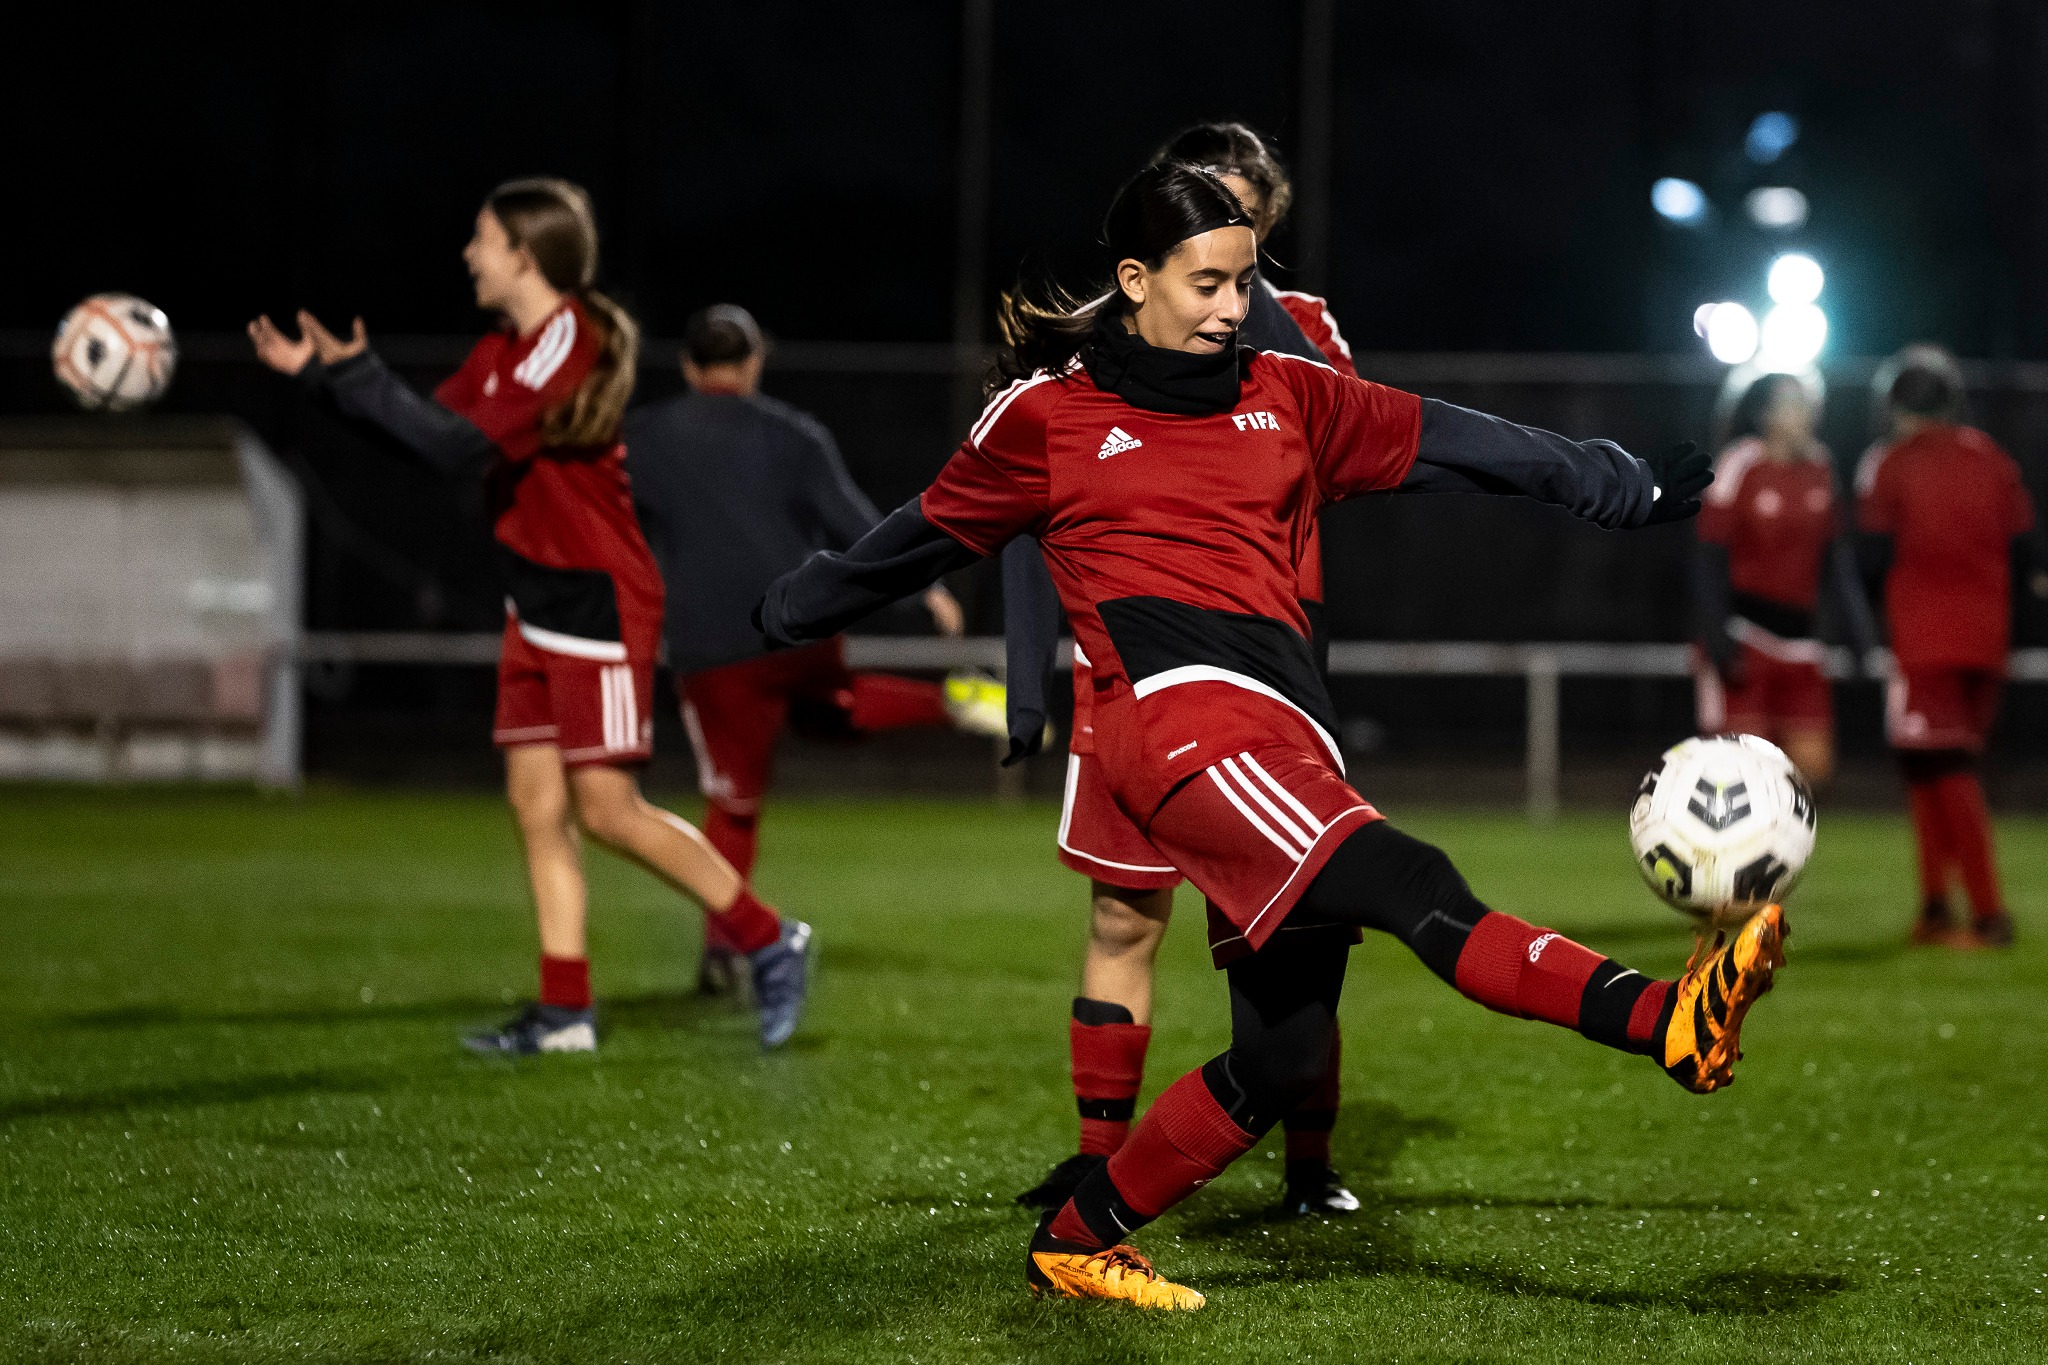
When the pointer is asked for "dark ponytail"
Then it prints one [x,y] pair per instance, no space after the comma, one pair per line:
[1044,326]
[552,219]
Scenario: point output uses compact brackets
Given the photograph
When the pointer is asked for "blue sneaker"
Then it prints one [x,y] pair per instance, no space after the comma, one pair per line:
[539,1028]
[782,973]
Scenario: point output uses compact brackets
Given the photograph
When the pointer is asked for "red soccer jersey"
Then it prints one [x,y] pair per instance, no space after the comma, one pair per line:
[1213,512]
[566,507]
[1776,518]
[1951,501]
[1312,315]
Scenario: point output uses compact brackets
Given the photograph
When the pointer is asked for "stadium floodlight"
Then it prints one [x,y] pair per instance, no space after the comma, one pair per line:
[1730,330]
[1679,201]
[1778,207]
[1795,278]
[1792,336]
[1770,136]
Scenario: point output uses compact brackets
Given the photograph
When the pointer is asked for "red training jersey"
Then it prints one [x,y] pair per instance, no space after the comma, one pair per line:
[1312,315]
[1951,501]
[1776,517]
[1176,526]
[563,507]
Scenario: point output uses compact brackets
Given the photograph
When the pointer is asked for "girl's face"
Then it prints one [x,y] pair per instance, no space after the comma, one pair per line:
[496,266]
[1198,296]
[1789,415]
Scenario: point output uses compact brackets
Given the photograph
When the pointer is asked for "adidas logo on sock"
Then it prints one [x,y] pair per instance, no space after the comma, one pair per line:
[1116,443]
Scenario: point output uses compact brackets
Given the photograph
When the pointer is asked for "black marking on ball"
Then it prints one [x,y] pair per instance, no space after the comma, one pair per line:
[1802,800]
[1650,779]
[1669,871]
[1718,807]
[1760,880]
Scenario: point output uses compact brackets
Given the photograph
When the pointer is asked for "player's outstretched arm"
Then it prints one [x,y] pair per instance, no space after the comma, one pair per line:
[1463,451]
[360,384]
[364,387]
[832,589]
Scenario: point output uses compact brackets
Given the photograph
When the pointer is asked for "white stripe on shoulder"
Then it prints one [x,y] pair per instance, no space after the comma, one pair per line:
[549,352]
[1731,468]
[1318,362]
[1867,467]
[999,404]
[1322,307]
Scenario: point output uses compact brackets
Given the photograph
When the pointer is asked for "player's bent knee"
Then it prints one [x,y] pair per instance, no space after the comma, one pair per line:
[609,814]
[539,808]
[1261,1080]
[1123,921]
[1380,878]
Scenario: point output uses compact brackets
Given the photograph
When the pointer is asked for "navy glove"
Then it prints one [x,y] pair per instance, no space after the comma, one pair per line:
[1681,473]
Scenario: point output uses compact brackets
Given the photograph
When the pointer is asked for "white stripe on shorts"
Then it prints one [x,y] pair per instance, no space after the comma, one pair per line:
[1294,852]
[620,707]
[1249,788]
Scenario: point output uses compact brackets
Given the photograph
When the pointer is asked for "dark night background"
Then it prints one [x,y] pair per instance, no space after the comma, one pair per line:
[1492,161]
[1489,193]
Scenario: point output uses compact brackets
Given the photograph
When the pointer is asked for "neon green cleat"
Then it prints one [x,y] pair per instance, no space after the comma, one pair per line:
[978,704]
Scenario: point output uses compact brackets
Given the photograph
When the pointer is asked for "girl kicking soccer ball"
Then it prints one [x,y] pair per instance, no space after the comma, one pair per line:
[1172,477]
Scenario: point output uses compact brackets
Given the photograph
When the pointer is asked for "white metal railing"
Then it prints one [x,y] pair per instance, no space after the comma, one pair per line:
[1543,667]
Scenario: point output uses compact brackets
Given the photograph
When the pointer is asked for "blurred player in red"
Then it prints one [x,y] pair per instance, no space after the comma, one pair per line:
[1130,892]
[536,410]
[1943,506]
[734,488]
[1770,531]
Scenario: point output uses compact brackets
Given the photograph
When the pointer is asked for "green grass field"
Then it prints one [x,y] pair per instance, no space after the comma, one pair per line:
[234,1123]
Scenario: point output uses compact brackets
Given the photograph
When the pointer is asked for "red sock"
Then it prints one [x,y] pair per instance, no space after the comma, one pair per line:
[747,924]
[1510,965]
[1109,1066]
[1308,1127]
[1930,839]
[1183,1142]
[736,837]
[565,981]
[883,701]
[1968,821]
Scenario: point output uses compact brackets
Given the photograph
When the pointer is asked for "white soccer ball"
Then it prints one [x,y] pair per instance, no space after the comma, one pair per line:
[115,352]
[1722,827]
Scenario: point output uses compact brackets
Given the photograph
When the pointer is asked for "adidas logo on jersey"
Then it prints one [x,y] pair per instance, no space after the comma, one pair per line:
[1116,443]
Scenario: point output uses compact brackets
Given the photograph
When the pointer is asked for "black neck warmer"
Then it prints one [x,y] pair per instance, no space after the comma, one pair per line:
[1157,380]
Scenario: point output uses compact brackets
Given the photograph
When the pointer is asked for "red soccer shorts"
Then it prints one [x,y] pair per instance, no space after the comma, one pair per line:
[735,714]
[1942,708]
[1777,693]
[592,706]
[1252,831]
[1098,840]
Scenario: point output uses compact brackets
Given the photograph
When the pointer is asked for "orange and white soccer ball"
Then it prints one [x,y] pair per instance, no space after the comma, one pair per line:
[115,352]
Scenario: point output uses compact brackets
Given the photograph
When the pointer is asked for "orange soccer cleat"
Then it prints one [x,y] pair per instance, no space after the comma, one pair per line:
[1074,1271]
[1703,1042]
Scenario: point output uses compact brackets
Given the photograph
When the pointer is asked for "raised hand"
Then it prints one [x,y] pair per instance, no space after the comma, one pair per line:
[278,351]
[1682,474]
[331,349]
